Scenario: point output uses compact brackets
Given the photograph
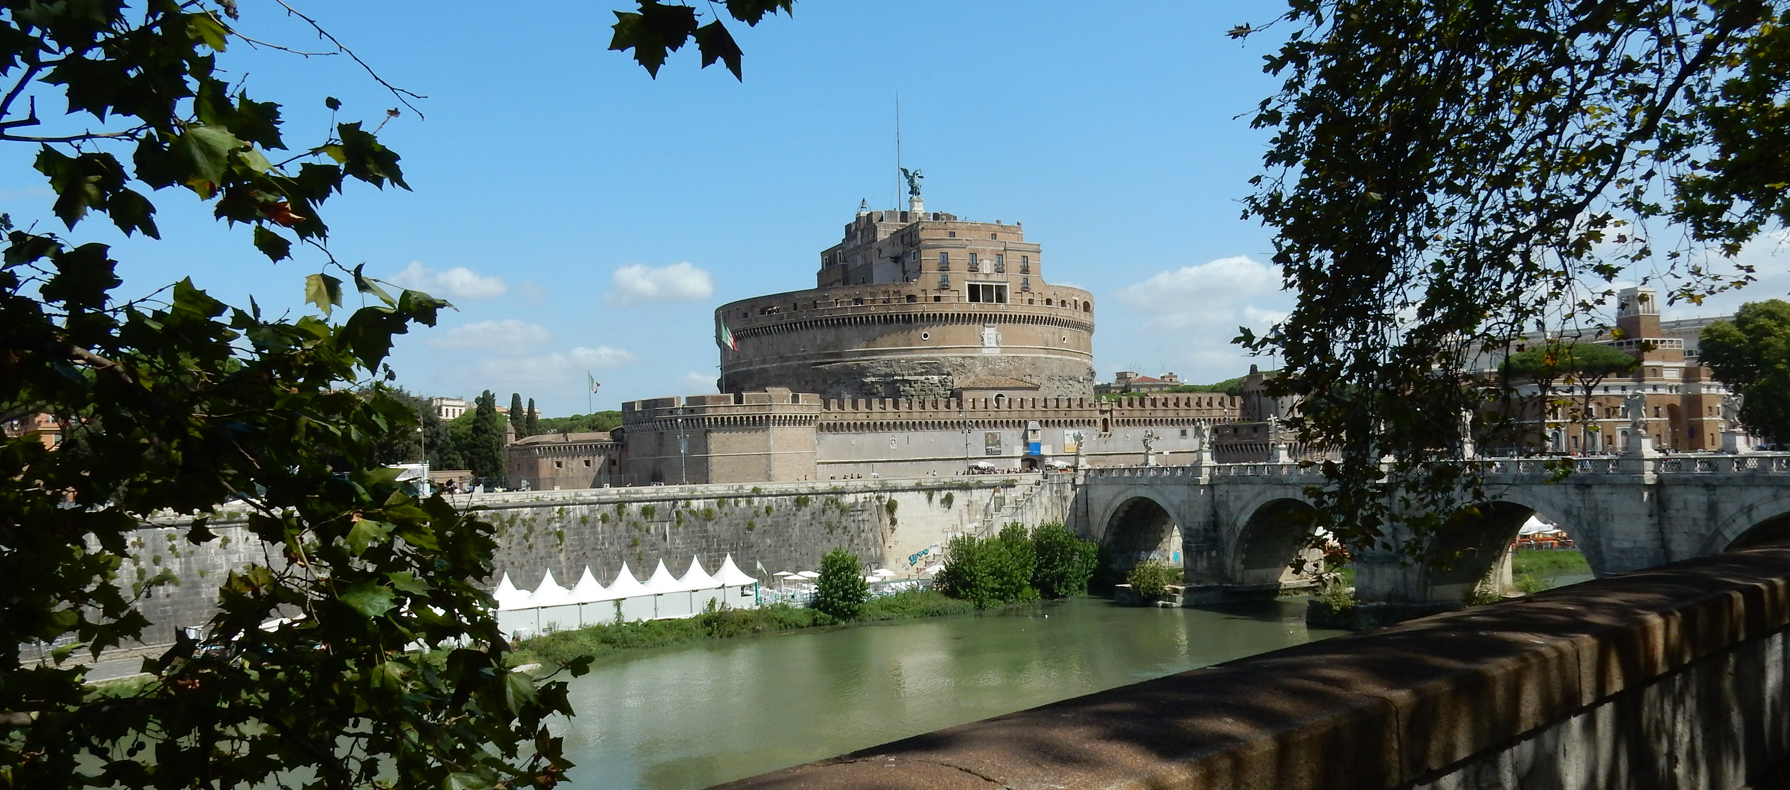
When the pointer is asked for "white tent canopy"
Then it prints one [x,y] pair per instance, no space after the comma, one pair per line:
[624,586]
[808,575]
[508,597]
[587,589]
[549,593]
[661,581]
[696,578]
[730,574]
[1536,524]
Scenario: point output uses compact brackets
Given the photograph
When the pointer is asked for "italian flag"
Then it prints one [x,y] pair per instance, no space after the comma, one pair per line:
[724,336]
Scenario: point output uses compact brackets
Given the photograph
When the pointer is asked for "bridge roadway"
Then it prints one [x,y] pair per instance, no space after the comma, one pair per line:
[1241,525]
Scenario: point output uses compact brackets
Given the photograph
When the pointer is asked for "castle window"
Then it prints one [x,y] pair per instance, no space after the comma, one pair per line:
[944,261]
[911,298]
[974,266]
[1000,263]
[1025,283]
[990,293]
[937,298]
[1025,264]
[944,282]
[1087,307]
[952,234]
[991,235]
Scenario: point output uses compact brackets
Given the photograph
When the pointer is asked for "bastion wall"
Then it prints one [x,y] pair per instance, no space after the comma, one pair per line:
[901,525]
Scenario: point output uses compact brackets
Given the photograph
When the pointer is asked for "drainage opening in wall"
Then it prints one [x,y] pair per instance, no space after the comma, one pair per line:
[925,335]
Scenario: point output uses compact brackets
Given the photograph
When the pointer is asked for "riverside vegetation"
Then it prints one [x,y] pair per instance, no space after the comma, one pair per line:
[1015,566]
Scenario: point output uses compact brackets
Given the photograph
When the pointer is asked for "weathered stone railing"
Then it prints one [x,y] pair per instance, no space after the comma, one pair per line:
[1669,677]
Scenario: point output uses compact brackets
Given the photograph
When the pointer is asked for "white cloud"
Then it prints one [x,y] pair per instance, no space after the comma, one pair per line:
[694,383]
[642,284]
[553,372]
[1217,295]
[506,335]
[456,283]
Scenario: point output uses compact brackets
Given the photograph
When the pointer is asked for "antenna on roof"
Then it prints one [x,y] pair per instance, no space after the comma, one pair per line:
[898,149]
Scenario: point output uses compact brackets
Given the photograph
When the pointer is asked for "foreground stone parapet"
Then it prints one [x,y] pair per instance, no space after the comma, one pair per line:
[1669,677]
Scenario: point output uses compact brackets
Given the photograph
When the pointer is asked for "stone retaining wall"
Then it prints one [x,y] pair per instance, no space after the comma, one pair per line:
[900,524]
[1668,677]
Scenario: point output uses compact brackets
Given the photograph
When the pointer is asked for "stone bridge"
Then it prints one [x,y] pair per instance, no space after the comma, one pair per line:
[1241,525]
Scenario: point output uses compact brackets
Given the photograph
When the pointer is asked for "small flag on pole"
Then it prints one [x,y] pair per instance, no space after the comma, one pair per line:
[724,336]
[593,382]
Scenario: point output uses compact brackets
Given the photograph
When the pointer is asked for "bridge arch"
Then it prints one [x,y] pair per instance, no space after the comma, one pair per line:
[1763,521]
[1481,538]
[1137,527]
[1277,532]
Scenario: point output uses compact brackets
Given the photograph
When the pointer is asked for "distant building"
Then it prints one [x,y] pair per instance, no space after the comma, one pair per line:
[43,426]
[449,408]
[1683,401]
[1126,381]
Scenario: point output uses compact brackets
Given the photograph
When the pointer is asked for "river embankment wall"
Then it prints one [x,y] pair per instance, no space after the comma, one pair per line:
[1669,677]
[899,524]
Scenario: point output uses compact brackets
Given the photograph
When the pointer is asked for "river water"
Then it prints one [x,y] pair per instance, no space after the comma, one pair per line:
[694,715]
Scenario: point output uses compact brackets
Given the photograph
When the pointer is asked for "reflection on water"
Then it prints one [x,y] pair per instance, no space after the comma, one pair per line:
[694,715]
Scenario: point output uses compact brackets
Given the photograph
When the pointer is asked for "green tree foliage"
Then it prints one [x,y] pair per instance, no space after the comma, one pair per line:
[406,447]
[1150,580]
[841,591]
[1065,561]
[656,30]
[991,571]
[531,425]
[484,440]
[178,403]
[1574,368]
[600,422]
[1444,176]
[1751,354]
[518,417]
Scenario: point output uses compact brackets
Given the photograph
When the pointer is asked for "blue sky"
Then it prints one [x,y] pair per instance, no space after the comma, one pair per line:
[582,216]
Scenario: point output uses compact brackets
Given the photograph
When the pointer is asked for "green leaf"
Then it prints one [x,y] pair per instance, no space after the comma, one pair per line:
[332,102]
[367,532]
[715,44]
[369,599]
[324,291]
[207,153]
[276,247]
[368,285]
[206,29]
[405,581]
[653,32]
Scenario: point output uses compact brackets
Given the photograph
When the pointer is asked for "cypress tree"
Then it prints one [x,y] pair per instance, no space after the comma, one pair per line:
[532,424]
[516,415]
[485,454]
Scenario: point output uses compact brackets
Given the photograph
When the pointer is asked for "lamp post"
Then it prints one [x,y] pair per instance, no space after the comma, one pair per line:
[683,449]
[966,445]
[423,435]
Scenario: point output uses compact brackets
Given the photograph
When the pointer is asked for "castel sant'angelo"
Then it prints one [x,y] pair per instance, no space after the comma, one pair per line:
[931,345]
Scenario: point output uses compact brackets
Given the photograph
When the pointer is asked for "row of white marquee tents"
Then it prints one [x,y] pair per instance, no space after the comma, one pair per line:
[550,607]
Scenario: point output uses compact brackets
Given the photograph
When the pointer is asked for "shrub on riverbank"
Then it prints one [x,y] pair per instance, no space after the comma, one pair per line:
[1150,580]
[551,649]
[1065,561]
[1016,566]
[841,589]
[989,572]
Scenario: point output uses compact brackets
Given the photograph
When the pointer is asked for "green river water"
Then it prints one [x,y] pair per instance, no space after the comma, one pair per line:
[694,715]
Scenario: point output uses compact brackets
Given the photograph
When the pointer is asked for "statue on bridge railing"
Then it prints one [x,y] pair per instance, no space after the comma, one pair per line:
[1731,412]
[1636,407]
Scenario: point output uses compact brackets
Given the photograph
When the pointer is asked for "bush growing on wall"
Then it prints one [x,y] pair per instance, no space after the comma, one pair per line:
[1065,562]
[841,591]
